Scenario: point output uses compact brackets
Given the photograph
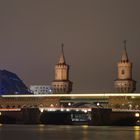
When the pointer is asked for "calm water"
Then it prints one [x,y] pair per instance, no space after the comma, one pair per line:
[59,132]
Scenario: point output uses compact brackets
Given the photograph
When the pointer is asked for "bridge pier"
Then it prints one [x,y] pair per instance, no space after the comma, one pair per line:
[30,115]
[100,116]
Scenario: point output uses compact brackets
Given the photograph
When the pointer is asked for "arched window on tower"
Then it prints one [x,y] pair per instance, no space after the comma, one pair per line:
[123,72]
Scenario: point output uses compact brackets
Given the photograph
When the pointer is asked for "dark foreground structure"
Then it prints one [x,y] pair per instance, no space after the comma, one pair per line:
[95,117]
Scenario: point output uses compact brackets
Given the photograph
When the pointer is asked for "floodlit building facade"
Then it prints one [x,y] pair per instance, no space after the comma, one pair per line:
[41,89]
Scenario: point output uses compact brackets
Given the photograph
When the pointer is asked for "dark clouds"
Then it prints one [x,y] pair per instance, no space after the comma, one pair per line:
[31,33]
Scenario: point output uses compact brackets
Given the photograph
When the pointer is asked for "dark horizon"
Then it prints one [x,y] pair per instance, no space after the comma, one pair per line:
[92,32]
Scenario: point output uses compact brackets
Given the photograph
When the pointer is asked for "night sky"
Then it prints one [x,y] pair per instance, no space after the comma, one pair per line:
[32,31]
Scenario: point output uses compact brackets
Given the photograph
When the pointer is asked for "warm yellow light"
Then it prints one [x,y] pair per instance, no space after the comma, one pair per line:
[133,97]
[84,110]
[78,95]
[85,126]
[62,109]
[89,109]
[0,113]
[67,109]
[41,110]
[41,127]
[137,115]
[69,104]
[52,105]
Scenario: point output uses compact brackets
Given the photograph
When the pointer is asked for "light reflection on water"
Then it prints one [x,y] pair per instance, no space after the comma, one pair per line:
[137,132]
[68,132]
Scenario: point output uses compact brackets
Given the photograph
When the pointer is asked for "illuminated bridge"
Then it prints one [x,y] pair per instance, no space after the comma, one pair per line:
[96,108]
[112,100]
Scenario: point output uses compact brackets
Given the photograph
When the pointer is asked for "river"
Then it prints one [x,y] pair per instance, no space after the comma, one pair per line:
[68,132]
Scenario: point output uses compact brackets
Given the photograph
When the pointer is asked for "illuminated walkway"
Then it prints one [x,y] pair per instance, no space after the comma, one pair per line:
[102,95]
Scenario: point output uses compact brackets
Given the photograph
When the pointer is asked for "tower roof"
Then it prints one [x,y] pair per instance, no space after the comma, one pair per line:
[124,57]
[62,57]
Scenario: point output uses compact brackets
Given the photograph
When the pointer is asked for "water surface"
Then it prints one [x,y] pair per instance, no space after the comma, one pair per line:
[65,132]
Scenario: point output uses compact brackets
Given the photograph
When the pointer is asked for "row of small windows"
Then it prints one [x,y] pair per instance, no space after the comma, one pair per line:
[41,87]
[41,90]
[124,84]
[58,86]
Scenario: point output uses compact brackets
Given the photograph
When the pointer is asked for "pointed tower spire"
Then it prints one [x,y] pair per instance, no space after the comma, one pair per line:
[62,57]
[124,57]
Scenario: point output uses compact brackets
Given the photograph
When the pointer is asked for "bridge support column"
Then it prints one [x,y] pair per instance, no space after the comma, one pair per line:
[31,115]
[100,116]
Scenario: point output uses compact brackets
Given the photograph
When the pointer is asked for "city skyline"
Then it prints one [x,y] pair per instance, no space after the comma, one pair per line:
[92,32]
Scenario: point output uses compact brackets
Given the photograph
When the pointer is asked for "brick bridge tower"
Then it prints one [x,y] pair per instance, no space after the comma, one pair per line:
[62,84]
[124,82]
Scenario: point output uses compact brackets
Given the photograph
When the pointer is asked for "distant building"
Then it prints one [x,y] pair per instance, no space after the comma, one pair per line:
[124,82]
[41,89]
[10,83]
[61,83]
